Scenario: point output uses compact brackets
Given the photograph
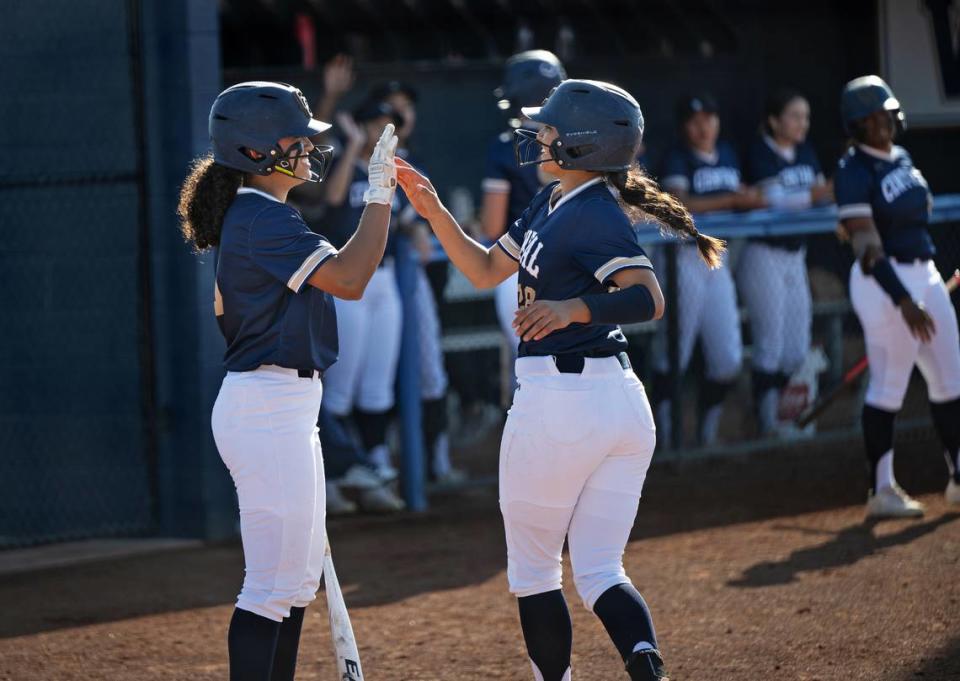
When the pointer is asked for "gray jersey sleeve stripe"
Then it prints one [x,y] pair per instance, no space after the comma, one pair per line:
[510,246]
[615,264]
[855,210]
[311,263]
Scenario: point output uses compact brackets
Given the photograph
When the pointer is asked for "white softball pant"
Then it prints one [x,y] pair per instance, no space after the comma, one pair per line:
[773,283]
[574,455]
[369,331]
[707,309]
[892,350]
[433,375]
[265,426]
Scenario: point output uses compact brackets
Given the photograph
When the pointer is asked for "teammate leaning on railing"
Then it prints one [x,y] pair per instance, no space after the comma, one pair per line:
[704,174]
[898,294]
[772,272]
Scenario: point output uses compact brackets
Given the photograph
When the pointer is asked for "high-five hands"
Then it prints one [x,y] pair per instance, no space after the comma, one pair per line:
[419,190]
[382,170]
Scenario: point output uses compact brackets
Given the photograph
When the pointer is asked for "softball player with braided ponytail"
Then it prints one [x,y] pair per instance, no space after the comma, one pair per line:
[272,299]
[897,292]
[580,435]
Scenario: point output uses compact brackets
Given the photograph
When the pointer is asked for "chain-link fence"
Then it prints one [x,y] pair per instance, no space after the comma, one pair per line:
[73,348]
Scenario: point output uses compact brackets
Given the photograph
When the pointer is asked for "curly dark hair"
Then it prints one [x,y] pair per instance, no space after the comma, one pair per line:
[641,198]
[207,192]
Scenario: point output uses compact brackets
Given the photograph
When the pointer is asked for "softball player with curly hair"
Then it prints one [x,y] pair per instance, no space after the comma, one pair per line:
[273,301]
[896,291]
[579,436]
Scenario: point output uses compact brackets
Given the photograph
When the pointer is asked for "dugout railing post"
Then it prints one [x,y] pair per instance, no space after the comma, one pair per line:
[408,381]
[673,348]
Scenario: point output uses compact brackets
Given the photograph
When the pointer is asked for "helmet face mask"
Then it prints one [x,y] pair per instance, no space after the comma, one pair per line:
[288,160]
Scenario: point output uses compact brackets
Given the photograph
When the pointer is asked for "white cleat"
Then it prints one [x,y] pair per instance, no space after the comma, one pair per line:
[381,500]
[893,502]
[337,504]
[953,493]
[360,477]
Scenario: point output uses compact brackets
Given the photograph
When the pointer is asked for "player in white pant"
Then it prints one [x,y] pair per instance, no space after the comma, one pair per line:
[433,375]
[897,293]
[580,436]
[361,384]
[704,173]
[272,300]
[772,271]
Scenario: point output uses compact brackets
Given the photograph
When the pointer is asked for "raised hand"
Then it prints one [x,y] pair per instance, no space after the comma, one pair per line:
[338,76]
[382,169]
[354,134]
[419,190]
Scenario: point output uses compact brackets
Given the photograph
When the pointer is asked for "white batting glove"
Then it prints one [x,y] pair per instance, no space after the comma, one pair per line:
[382,171]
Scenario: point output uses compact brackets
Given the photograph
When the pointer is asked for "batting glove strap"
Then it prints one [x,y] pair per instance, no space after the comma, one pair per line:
[382,170]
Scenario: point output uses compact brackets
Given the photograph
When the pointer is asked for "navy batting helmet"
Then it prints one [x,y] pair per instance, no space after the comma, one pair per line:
[865,95]
[247,121]
[600,127]
[528,78]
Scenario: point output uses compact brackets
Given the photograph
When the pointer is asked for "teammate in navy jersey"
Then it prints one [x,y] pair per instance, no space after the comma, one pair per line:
[361,385]
[508,188]
[272,298]
[704,173]
[772,272]
[580,435]
[433,375]
[904,308]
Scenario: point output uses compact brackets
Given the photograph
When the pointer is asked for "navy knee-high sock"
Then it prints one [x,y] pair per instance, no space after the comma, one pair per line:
[877,437]
[288,643]
[372,426]
[548,633]
[627,620]
[946,419]
[252,642]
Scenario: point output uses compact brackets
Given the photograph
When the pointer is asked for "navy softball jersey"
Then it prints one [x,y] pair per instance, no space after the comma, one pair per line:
[699,174]
[569,249]
[893,192]
[502,174]
[790,175]
[267,311]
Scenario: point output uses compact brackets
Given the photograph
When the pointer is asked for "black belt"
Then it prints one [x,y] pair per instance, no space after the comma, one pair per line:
[573,363]
[308,373]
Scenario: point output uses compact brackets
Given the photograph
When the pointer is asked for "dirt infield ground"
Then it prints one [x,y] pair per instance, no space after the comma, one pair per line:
[755,568]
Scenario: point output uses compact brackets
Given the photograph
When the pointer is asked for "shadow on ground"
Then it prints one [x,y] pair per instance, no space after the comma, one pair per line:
[459,542]
[846,547]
